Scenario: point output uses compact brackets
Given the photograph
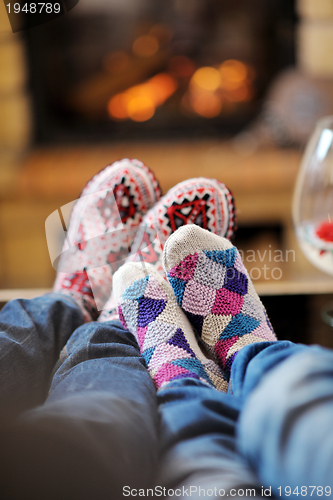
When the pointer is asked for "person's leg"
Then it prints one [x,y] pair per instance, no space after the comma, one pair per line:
[32,333]
[102,227]
[96,434]
[285,388]
[197,421]
[198,443]
[272,432]
[215,291]
[285,428]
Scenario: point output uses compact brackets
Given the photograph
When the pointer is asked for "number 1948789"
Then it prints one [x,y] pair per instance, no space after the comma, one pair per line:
[34,8]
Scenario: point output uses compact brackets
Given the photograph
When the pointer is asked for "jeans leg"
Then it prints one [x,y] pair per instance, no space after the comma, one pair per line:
[97,431]
[32,333]
[199,452]
[255,361]
[285,428]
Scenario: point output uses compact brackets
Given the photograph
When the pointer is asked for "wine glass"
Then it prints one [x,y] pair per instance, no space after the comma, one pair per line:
[313,198]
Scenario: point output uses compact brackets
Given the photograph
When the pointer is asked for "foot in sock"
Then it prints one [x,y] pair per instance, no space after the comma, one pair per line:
[102,227]
[149,310]
[205,202]
[214,290]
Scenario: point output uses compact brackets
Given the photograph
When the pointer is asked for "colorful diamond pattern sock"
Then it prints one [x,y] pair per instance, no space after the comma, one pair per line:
[201,201]
[149,310]
[102,227]
[213,288]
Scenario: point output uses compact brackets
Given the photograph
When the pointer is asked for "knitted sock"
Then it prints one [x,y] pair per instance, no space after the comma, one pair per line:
[102,227]
[204,202]
[215,291]
[149,310]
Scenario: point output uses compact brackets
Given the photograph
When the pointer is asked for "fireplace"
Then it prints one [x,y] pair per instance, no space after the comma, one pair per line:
[113,70]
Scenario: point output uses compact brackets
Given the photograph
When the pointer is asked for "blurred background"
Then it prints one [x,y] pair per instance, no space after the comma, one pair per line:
[230,90]
[141,68]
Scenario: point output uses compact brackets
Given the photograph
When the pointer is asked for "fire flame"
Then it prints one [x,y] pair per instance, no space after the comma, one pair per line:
[212,87]
[210,91]
[140,102]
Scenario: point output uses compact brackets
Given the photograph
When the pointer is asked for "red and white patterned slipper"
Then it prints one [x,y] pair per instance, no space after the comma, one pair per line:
[204,202]
[102,227]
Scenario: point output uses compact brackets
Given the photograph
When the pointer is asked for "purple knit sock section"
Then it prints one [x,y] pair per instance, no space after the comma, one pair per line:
[196,321]
[235,281]
[149,309]
[228,365]
[179,340]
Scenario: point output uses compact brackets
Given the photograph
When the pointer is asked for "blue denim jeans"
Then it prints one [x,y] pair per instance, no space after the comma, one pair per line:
[85,429]
[89,426]
[269,435]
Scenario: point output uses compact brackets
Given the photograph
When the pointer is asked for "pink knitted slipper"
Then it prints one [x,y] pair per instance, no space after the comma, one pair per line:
[102,227]
[205,202]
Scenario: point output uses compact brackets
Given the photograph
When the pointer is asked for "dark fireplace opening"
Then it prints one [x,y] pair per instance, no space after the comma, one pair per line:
[136,69]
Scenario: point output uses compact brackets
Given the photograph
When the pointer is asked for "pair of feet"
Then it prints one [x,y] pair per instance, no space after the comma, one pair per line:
[209,297]
[194,324]
[121,210]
